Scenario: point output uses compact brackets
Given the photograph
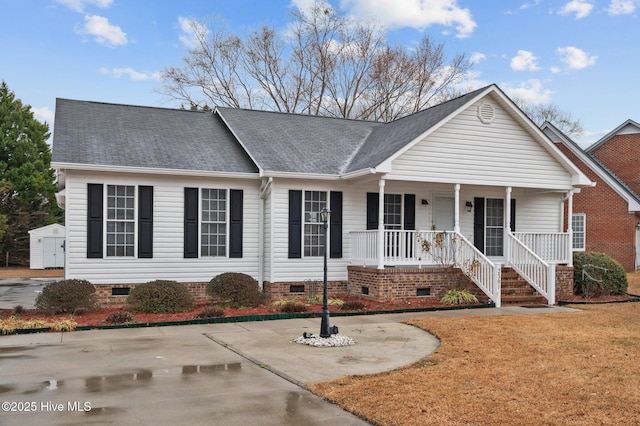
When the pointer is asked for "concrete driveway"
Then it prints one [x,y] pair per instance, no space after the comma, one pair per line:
[21,291]
[149,376]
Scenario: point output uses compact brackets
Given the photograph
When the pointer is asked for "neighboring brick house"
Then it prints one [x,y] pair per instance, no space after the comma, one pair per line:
[618,151]
[605,217]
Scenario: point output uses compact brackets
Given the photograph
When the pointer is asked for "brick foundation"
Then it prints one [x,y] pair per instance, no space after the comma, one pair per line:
[281,290]
[107,298]
[407,283]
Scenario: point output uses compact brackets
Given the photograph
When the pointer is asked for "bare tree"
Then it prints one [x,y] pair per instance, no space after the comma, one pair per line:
[325,64]
[551,113]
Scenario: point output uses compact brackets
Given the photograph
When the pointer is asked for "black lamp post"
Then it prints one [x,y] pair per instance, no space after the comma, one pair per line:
[325,329]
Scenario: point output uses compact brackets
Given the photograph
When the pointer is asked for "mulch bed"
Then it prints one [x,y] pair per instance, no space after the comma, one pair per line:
[98,318]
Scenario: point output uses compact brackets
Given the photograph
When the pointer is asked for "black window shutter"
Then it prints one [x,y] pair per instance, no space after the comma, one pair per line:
[335,225]
[372,210]
[409,212]
[191,222]
[145,222]
[295,224]
[94,220]
[513,215]
[478,223]
[235,222]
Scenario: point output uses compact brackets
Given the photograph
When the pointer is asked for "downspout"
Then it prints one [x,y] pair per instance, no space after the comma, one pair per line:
[380,253]
[507,226]
[456,214]
[264,187]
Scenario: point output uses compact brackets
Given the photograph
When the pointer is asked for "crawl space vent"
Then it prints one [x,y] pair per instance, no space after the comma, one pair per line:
[486,113]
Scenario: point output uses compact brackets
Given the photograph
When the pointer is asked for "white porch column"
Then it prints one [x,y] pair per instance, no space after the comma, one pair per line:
[507,226]
[381,223]
[456,222]
[570,227]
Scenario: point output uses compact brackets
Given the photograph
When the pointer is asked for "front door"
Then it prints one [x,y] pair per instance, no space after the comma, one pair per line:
[443,213]
[488,225]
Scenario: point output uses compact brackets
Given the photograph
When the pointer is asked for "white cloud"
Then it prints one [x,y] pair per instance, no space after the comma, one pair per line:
[530,91]
[133,74]
[582,8]
[79,5]
[524,61]
[477,57]
[418,14]
[43,115]
[575,58]
[104,32]
[189,27]
[622,7]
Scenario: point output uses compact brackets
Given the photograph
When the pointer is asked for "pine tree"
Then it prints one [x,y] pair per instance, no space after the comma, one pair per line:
[27,182]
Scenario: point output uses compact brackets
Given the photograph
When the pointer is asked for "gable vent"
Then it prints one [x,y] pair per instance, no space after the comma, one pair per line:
[486,113]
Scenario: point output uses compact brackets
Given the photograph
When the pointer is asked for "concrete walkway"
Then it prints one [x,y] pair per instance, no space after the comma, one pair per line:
[231,374]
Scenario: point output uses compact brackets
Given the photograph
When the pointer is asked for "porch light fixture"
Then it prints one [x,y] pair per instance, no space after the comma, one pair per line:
[469,206]
[425,202]
[325,329]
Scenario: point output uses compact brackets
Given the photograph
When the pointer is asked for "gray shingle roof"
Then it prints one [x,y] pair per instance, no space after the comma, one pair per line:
[97,133]
[122,135]
[297,143]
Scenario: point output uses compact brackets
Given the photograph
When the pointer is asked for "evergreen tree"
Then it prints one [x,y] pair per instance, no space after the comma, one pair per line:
[27,182]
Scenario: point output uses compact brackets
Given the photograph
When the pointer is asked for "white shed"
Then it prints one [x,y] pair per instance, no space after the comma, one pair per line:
[47,246]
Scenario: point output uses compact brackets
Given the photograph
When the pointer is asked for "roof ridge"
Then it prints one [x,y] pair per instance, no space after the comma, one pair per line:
[131,106]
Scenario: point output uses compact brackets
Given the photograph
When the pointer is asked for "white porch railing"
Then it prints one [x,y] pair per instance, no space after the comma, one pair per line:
[444,249]
[531,267]
[550,247]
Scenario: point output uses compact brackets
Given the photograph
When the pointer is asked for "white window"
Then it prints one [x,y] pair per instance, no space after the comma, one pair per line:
[213,232]
[121,220]
[578,224]
[314,202]
[392,211]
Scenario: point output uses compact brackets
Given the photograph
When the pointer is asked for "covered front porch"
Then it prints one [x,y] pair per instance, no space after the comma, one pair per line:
[535,256]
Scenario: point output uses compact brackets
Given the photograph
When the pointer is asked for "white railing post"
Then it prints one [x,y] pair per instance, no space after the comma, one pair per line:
[498,286]
[551,282]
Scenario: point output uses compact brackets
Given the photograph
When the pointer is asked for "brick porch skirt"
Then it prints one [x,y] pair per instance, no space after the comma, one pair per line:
[409,283]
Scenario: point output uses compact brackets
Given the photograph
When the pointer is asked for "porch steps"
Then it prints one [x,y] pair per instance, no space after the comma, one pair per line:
[517,292]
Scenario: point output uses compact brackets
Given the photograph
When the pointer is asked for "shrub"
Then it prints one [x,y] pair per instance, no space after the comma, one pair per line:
[352,305]
[119,317]
[18,310]
[68,296]
[210,312]
[602,275]
[235,289]
[160,297]
[459,297]
[294,306]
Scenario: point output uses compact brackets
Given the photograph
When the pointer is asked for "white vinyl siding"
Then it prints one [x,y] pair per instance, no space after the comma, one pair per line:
[168,261]
[466,151]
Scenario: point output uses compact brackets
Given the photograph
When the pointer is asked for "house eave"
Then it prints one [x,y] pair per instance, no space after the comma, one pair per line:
[299,175]
[152,171]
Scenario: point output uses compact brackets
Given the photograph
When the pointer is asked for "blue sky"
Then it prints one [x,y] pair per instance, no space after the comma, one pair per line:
[581,55]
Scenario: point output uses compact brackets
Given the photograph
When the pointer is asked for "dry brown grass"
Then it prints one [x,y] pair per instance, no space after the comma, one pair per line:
[22,272]
[571,369]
